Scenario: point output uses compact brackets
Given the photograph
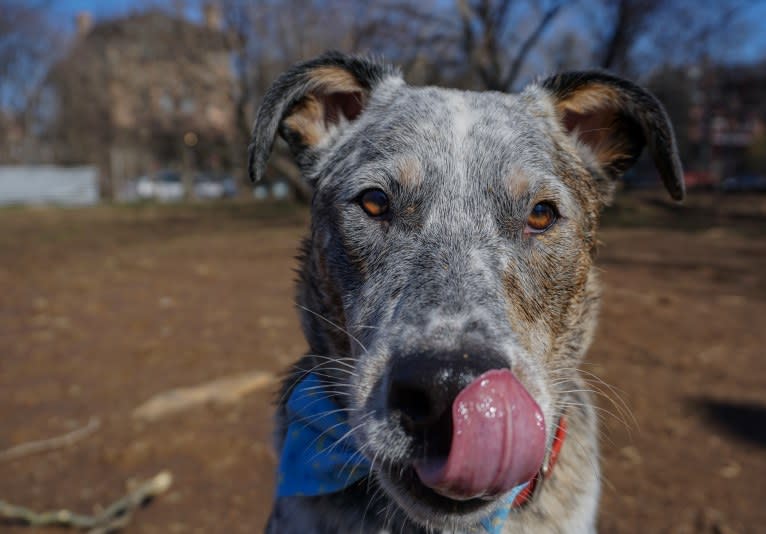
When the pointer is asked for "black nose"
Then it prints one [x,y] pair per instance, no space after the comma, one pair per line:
[422,388]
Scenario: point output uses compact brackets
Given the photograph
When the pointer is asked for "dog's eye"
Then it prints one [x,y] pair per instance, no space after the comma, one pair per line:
[374,202]
[541,218]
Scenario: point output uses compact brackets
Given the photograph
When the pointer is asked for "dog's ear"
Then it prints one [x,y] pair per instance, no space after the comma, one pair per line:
[614,119]
[310,103]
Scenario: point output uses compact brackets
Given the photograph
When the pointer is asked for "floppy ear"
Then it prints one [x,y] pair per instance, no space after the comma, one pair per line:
[310,103]
[614,119]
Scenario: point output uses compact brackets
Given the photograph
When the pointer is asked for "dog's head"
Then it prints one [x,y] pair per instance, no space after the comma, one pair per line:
[451,250]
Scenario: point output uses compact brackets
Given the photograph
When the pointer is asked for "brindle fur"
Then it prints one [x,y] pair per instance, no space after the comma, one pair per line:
[453,265]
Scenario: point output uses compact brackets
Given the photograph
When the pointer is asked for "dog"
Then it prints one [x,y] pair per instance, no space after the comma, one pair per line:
[448,293]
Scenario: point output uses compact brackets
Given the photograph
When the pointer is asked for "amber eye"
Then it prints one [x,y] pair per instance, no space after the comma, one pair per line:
[374,202]
[542,217]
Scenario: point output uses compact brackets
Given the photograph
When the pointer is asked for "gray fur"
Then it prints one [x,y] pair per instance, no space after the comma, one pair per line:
[453,266]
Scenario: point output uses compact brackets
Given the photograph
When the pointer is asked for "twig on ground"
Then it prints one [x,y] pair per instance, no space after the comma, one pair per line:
[112,518]
[224,390]
[43,445]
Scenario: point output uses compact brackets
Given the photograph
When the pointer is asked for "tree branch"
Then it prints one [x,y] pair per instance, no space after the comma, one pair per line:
[527,46]
[43,445]
[113,517]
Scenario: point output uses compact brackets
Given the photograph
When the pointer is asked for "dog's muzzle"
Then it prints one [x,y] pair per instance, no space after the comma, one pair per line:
[475,430]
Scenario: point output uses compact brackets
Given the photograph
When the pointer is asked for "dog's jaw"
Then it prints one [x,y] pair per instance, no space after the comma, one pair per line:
[388,447]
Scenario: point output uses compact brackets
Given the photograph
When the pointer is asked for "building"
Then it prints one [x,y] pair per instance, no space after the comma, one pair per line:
[146,91]
[727,117]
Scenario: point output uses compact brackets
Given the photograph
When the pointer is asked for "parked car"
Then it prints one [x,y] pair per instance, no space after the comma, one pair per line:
[206,187]
[746,183]
[168,186]
[165,186]
[229,186]
[276,190]
[144,188]
[211,186]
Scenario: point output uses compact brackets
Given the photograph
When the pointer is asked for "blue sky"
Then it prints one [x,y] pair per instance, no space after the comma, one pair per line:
[63,12]
[98,7]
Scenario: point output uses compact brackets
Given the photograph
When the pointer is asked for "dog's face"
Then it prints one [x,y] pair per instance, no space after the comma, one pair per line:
[452,246]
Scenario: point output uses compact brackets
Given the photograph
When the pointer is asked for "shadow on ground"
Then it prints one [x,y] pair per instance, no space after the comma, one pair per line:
[742,420]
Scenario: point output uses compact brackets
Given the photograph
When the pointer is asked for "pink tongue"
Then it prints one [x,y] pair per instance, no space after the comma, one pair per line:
[498,440]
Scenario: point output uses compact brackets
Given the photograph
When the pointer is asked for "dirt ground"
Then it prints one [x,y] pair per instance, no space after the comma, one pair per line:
[103,308]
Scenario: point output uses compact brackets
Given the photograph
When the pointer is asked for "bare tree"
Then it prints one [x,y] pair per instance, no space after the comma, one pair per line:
[270,36]
[630,19]
[571,50]
[490,40]
[22,51]
[484,24]
[27,42]
[644,34]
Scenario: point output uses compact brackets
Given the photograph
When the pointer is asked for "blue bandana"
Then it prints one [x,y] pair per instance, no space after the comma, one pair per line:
[319,457]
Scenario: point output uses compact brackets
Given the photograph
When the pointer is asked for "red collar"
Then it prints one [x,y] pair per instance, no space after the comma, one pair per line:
[558,440]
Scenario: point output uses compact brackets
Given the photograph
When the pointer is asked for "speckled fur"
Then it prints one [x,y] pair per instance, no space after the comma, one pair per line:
[453,266]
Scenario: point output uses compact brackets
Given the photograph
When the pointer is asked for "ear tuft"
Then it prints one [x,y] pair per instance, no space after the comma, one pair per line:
[615,119]
[306,104]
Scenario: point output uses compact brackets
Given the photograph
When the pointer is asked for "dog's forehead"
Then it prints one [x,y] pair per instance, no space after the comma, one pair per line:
[463,116]
[433,134]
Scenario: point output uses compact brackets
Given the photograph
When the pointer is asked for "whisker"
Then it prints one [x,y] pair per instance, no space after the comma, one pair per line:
[600,409]
[601,416]
[316,417]
[347,434]
[339,359]
[620,405]
[330,429]
[375,496]
[613,389]
[331,382]
[328,321]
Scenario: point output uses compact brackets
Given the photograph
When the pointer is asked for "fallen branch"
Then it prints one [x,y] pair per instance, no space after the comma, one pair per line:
[222,391]
[112,518]
[43,445]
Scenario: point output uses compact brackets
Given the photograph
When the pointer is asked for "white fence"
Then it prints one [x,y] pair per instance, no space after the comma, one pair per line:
[49,185]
